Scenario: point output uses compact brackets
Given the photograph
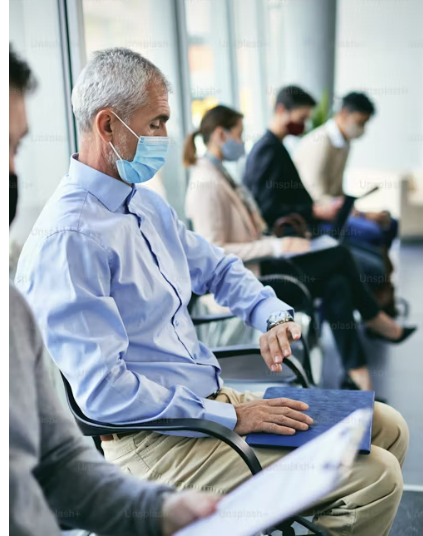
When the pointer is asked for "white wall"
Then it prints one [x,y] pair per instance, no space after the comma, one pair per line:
[380,51]
[44,155]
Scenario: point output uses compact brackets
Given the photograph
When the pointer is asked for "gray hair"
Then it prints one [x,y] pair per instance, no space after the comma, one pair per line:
[115,77]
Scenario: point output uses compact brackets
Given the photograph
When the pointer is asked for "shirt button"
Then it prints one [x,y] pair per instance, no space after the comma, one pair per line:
[195,356]
[176,323]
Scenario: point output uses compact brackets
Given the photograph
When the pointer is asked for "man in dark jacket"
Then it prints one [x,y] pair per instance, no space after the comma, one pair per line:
[271,175]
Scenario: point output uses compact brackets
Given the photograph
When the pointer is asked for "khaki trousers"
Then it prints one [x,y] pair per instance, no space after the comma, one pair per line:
[365,504]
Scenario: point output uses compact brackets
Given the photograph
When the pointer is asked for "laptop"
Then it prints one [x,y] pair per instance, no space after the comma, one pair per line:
[337,235]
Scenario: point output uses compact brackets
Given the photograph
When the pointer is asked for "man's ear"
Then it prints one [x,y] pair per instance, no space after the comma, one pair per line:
[280,109]
[105,123]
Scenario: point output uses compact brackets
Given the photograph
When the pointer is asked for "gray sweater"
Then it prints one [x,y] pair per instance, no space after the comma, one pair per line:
[55,477]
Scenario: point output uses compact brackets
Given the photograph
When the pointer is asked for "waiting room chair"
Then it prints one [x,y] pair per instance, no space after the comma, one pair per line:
[95,429]
[288,287]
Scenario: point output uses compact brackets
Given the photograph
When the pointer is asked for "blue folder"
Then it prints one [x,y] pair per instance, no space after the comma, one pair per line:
[327,407]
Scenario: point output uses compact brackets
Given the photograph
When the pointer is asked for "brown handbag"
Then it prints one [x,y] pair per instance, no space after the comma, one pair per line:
[284,226]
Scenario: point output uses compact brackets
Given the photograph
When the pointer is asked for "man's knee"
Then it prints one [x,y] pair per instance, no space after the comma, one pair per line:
[390,428]
[386,478]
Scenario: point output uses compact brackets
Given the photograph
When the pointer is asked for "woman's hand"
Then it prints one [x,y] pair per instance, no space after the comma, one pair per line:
[293,244]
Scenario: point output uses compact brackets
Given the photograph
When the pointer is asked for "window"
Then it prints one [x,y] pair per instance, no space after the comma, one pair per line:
[251,46]
[208,55]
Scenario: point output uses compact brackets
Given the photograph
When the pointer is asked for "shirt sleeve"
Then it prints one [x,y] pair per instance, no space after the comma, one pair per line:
[225,276]
[86,336]
[312,158]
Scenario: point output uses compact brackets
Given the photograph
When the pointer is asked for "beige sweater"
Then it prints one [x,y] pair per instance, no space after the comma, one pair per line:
[320,164]
[219,215]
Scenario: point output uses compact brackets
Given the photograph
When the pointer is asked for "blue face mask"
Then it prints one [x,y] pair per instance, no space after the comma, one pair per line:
[232,150]
[149,158]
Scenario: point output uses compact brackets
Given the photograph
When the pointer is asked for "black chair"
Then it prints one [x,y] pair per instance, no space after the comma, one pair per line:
[95,429]
[289,288]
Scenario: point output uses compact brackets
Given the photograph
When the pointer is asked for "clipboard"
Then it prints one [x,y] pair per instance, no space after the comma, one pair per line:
[289,486]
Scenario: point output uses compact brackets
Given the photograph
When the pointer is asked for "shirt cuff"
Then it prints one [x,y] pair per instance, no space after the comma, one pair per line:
[264,309]
[220,412]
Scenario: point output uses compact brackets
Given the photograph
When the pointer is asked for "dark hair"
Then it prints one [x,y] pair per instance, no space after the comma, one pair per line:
[292,97]
[219,116]
[358,102]
[21,78]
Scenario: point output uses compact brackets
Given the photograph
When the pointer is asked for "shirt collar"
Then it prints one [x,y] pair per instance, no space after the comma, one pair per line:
[273,136]
[110,191]
[335,136]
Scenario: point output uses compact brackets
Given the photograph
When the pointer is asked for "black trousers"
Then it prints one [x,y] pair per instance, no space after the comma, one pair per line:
[334,276]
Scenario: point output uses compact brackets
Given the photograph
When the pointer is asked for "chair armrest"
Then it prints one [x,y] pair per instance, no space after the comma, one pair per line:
[204,426]
[89,427]
[291,362]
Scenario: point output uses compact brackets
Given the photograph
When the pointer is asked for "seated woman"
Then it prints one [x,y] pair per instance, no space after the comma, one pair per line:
[225,214]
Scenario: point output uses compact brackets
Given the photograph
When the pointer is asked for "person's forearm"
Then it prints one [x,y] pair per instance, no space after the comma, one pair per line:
[98,497]
[82,489]
[256,249]
[234,286]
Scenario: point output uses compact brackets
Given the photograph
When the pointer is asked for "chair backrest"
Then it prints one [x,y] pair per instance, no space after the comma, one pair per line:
[88,426]
[291,290]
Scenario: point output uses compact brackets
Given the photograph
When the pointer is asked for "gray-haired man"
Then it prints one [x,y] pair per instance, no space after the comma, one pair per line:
[54,476]
[109,272]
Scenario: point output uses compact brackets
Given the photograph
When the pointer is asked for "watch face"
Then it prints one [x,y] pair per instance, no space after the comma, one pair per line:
[277,317]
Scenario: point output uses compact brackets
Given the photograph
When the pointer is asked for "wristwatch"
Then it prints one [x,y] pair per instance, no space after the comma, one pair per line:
[281,317]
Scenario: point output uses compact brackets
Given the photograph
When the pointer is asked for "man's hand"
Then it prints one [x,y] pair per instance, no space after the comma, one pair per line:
[183,508]
[294,244]
[276,416]
[275,344]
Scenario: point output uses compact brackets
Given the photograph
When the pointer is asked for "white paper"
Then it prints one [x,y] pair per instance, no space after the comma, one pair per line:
[288,486]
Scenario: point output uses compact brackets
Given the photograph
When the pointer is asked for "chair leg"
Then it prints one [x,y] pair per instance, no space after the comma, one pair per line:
[317,531]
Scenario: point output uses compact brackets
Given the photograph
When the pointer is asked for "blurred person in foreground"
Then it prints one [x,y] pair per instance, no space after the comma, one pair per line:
[54,475]
[123,268]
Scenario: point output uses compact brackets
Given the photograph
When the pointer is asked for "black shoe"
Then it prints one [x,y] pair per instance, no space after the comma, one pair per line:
[406,332]
[349,384]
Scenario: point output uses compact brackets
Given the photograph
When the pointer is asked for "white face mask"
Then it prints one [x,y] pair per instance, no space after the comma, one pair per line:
[352,130]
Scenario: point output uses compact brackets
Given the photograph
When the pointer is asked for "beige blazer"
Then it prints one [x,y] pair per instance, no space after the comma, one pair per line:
[320,164]
[219,215]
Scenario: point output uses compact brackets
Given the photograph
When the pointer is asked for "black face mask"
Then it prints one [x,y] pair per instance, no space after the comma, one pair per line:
[13,196]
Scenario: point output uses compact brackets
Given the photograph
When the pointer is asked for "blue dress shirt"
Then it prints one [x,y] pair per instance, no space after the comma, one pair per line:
[108,270]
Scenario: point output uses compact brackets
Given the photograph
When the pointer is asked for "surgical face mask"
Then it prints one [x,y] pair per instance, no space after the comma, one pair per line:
[232,150]
[150,156]
[13,196]
[295,128]
[353,130]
